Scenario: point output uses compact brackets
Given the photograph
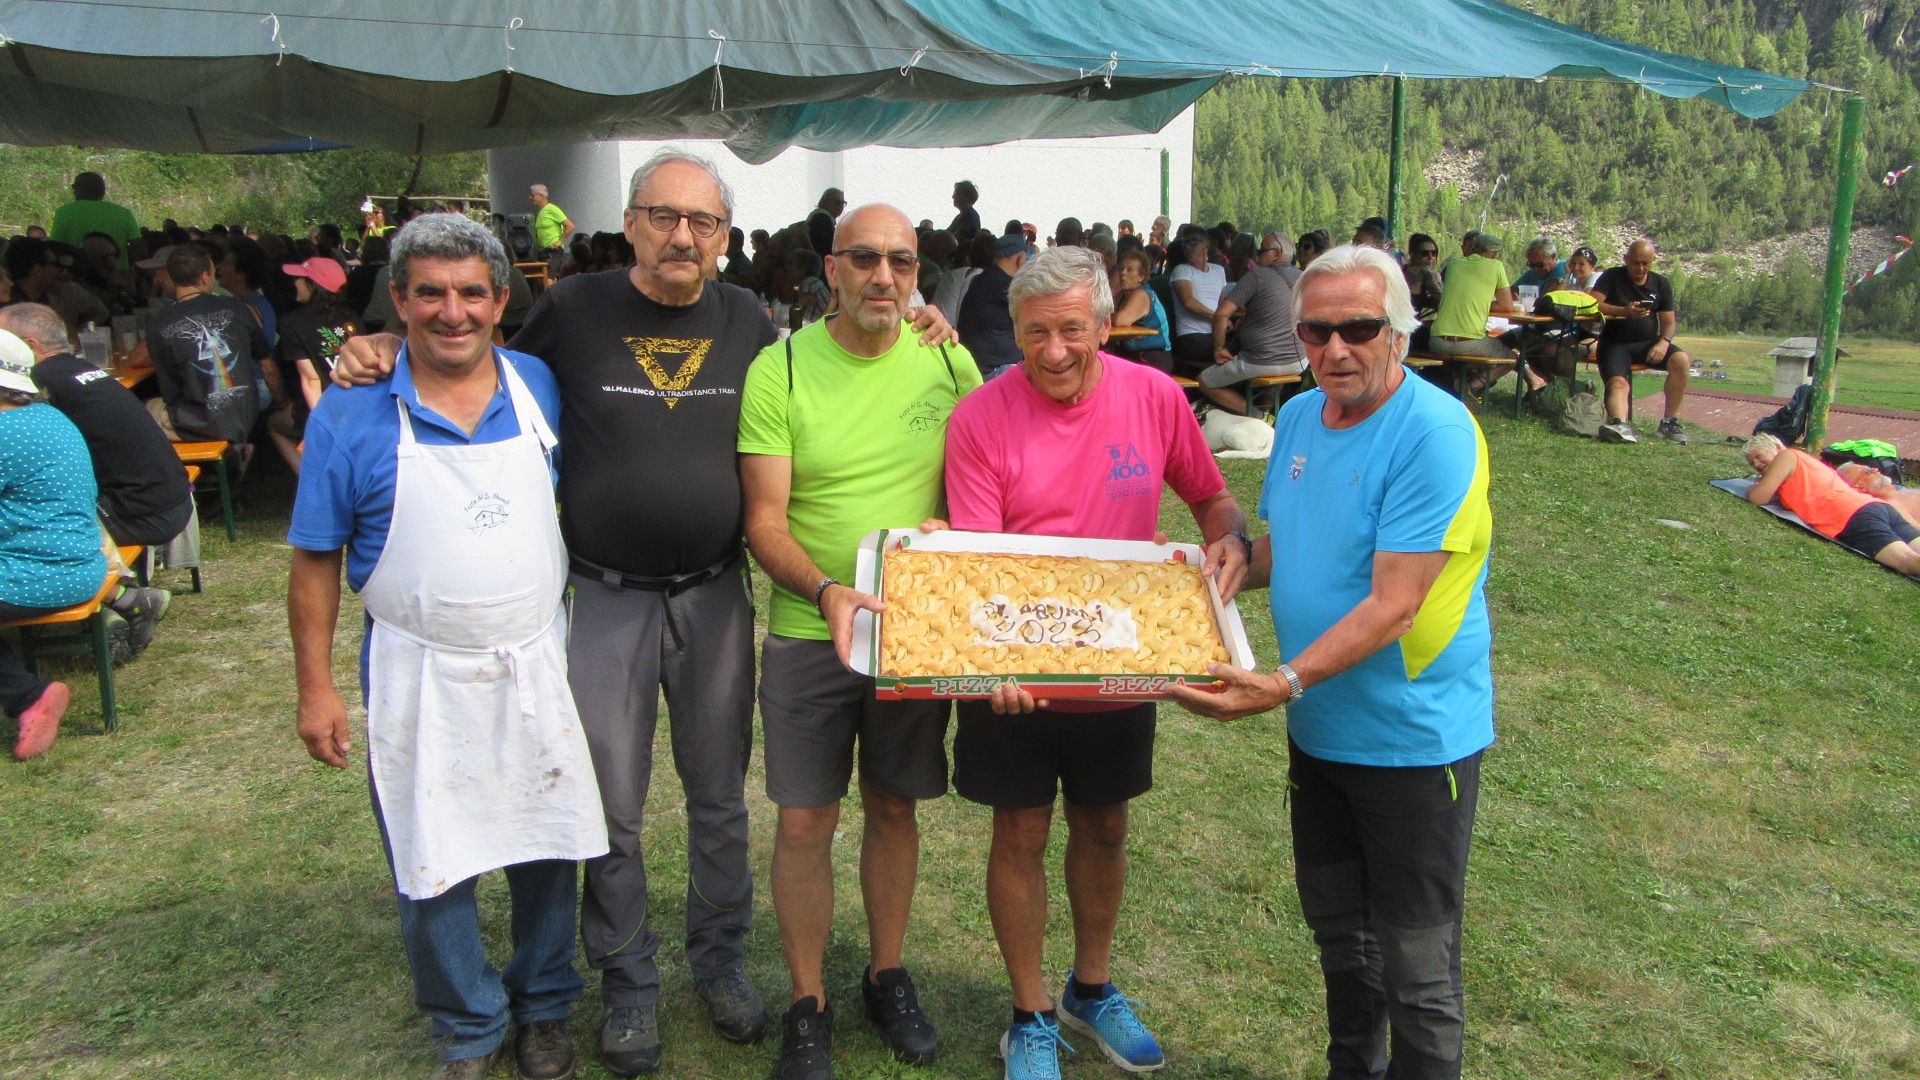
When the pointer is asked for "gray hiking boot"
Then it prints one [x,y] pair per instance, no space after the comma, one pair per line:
[630,1041]
[1670,431]
[143,609]
[1616,431]
[738,1013]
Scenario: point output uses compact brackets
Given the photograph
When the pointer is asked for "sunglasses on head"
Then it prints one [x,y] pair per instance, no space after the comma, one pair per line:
[1353,331]
[867,258]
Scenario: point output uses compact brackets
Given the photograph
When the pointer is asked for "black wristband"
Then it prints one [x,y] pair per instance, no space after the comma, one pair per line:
[821,590]
[1244,539]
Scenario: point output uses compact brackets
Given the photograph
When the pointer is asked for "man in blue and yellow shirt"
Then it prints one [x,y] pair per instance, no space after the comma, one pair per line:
[1376,499]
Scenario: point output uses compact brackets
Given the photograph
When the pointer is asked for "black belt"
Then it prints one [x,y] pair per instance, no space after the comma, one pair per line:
[672,586]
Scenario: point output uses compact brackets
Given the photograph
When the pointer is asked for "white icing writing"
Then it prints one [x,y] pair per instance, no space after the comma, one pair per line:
[1047,621]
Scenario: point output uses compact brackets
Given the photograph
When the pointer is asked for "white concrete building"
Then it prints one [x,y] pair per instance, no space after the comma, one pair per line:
[1036,180]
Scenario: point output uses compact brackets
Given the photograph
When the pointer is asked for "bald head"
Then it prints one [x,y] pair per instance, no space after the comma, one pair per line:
[878,226]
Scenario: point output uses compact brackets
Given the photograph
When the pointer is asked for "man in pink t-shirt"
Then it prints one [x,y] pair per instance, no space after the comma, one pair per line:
[1073,442]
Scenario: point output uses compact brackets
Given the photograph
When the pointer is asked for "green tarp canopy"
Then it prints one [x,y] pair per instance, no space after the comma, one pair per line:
[436,76]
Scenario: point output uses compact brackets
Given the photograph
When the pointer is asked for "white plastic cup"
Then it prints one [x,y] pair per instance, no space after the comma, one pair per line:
[96,347]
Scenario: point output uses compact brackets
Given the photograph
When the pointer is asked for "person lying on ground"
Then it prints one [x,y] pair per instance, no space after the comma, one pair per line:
[1809,487]
[1871,481]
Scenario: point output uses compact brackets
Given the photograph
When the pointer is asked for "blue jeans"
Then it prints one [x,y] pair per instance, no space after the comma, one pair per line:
[468,1000]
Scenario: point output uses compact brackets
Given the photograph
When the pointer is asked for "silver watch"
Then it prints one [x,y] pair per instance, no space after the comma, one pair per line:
[1294,688]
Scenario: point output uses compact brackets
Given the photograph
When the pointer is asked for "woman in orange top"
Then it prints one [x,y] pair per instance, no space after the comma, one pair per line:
[1809,487]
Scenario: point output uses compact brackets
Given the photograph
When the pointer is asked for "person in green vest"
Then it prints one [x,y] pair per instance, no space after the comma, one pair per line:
[90,212]
[551,226]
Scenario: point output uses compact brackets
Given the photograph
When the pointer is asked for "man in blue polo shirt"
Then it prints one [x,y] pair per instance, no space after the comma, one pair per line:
[437,488]
[1376,495]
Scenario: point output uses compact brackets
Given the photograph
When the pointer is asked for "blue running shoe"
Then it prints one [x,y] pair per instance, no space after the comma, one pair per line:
[1110,1021]
[1032,1050]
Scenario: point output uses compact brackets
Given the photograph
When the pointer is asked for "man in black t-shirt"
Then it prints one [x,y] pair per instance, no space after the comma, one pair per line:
[985,326]
[1638,304]
[650,361]
[144,495]
[204,348]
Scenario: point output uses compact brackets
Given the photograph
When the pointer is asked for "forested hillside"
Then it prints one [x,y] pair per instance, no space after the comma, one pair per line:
[1698,178]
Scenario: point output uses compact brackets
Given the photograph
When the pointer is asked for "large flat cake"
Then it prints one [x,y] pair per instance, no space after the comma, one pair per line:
[975,613]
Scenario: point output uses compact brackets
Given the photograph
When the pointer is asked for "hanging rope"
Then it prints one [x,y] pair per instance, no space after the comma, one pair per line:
[719,76]
[915,62]
[507,34]
[278,41]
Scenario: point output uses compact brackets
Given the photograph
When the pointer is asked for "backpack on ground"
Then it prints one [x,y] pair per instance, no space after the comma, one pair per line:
[1789,422]
[1571,407]
[1873,453]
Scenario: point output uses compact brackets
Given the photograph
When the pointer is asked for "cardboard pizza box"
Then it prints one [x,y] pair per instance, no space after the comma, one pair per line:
[866,624]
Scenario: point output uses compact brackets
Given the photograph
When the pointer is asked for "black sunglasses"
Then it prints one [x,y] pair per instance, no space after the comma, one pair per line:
[867,259]
[1353,331]
[1424,252]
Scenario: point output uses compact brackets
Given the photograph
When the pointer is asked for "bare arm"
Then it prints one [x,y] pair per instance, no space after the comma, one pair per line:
[1506,300]
[365,359]
[1777,471]
[310,385]
[313,609]
[1183,292]
[1401,581]
[1227,557]
[1134,309]
[766,481]
[1222,315]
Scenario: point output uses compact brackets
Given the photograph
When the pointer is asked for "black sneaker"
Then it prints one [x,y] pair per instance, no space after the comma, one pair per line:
[1670,431]
[806,1041]
[543,1050]
[738,1012]
[143,609]
[894,1006]
[630,1041]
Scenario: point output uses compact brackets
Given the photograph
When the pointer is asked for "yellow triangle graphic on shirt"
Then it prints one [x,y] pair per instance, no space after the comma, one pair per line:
[647,351]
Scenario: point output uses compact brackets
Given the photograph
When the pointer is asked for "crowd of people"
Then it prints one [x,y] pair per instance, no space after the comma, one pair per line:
[686,399]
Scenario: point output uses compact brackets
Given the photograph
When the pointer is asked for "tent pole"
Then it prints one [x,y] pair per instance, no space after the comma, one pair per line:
[1166,181]
[1395,162]
[1846,164]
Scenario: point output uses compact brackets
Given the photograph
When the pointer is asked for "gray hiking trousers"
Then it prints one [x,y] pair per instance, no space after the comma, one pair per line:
[625,647]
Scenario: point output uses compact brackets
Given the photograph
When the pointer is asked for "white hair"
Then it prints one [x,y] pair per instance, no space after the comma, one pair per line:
[539,189]
[1357,259]
[671,156]
[1060,269]
[1763,441]
[1544,245]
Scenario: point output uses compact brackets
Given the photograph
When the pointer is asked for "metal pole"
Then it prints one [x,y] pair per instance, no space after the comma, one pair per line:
[1166,181]
[1846,165]
[1395,164]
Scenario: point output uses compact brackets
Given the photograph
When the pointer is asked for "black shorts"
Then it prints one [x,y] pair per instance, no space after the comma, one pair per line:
[1019,762]
[1873,527]
[1616,358]
[1192,351]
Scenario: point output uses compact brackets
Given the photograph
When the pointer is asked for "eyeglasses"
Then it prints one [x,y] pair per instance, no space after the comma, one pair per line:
[1353,331]
[1539,265]
[666,219]
[867,258]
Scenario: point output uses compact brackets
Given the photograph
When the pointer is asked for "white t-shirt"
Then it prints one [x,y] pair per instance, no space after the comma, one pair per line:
[1208,285]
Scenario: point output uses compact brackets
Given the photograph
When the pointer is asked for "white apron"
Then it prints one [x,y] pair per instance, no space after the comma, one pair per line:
[477,753]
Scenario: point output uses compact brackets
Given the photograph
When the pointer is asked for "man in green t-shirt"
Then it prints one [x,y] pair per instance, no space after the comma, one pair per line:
[90,212]
[551,226]
[1476,286]
[843,431]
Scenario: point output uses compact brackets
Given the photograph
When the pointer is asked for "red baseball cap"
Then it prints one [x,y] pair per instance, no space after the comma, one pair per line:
[321,270]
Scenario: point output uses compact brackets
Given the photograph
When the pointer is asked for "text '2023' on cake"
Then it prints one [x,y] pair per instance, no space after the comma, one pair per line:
[979,613]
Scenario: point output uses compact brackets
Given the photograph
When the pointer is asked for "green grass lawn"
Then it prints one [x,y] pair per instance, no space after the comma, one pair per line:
[1880,374]
[1697,853]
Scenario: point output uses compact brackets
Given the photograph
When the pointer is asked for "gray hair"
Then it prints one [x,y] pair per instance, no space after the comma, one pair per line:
[538,189]
[671,156]
[1057,270]
[1763,441]
[447,236]
[1357,259]
[1544,245]
[36,321]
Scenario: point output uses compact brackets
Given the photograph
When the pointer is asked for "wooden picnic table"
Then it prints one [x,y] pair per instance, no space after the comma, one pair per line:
[1125,332]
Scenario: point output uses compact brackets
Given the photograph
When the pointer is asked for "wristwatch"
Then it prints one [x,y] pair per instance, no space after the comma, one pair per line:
[1294,688]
